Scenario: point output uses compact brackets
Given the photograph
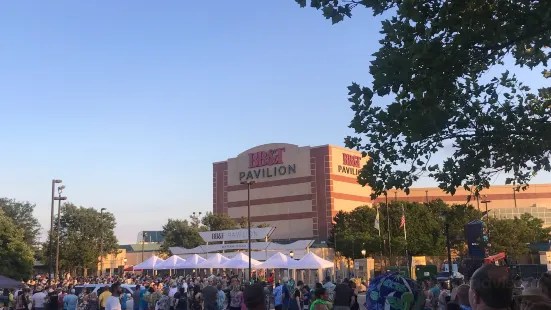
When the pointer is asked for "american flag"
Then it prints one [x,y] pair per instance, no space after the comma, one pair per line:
[403,221]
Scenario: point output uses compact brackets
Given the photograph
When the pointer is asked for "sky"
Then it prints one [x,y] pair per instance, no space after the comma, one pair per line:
[130,102]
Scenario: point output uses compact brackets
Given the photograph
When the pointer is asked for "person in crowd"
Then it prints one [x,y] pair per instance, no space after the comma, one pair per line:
[93,301]
[306,297]
[147,297]
[83,300]
[60,297]
[354,305]
[39,298]
[235,296]
[144,291]
[278,296]
[180,299]
[124,300]
[113,300]
[254,297]
[544,284]
[155,296]
[220,297]
[444,296]
[434,293]
[52,303]
[196,301]
[103,297]
[70,301]
[330,287]
[462,294]
[296,300]
[210,296]
[11,299]
[343,295]
[320,300]
[456,282]
[164,301]
[453,306]
[490,288]
[22,300]
[136,297]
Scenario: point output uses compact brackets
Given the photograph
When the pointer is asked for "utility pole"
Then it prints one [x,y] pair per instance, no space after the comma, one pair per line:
[101,241]
[59,199]
[51,246]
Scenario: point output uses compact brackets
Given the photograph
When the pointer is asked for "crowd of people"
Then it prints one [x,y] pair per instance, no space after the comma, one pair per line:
[490,288]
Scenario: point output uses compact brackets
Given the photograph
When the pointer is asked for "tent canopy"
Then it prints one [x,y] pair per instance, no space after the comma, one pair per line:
[312,261]
[215,261]
[6,282]
[240,261]
[278,260]
[191,262]
[170,263]
[149,263]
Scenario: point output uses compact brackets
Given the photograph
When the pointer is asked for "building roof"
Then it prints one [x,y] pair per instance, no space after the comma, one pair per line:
[147,247]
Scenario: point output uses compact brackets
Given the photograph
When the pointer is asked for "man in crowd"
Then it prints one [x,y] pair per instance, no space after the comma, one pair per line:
[343,295]
[136,297]
[490,288]
[70,300]
[39,298]
[210,297]
[113,301]
[103,297]
[254,297]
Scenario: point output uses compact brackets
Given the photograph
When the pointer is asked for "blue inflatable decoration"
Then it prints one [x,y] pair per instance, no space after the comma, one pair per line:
[393,291]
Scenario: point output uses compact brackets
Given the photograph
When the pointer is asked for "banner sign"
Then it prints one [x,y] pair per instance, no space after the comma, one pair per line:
[236,234]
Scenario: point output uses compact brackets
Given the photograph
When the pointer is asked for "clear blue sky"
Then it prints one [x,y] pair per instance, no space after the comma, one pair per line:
[130,102]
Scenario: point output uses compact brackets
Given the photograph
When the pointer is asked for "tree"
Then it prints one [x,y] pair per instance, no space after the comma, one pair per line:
[434,63]
[22,215]
[180,233]
[512,235]
[16,254]
[218,221]
[82,232]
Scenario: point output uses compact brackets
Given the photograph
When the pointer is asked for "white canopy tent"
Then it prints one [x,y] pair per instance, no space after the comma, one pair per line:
[240,261]
[191,262]
[312,261]
[170,263]
[215,261]
[278,260]
[150,263]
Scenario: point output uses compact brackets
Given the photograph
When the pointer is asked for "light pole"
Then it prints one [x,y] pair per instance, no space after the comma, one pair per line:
[59,199]
[364,252]
[51,247]
[101,241]
[444,217]
[144,234]
[485,202]
[249,183]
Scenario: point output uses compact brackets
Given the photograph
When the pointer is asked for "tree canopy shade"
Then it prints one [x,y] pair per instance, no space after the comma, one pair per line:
[22,215]
[16,255]
[82,230]
[434,61]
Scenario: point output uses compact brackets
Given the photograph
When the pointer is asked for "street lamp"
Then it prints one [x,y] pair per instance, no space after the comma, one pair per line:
[144,234]
[485,202]
[59,199]
[444,217]
[363,252]
[124,260]
[292,254]
[51,247]
[249,183]
[101,241]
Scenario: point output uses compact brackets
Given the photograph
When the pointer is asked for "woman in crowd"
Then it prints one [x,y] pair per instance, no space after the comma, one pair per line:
[180,299]
[83,300]
[320,302]
[93,302]
[197,298]
[235,297]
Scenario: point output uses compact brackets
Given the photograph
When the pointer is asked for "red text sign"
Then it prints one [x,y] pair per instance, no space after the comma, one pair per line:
[266,158]
[351,160]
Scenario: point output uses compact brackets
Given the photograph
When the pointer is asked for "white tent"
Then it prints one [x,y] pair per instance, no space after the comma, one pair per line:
[215,261]
[149,263]
[240,261]
[278,260]
[191,262]
[170,263]
[312,261]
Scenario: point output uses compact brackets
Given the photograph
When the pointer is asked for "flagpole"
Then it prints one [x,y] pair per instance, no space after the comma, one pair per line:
[388,228]
[406,239]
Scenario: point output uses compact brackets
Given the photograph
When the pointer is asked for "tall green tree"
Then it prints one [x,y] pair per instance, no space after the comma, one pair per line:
[513,235]
[218,221]
[82,232]
[22,214]
[180,233]
[434,64]
[16,255]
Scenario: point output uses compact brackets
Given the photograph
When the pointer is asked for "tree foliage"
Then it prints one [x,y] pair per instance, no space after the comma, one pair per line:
[434,62]
[82,231]
[218,221]
[16,255]
[180,233]
[21,213]
[355,230]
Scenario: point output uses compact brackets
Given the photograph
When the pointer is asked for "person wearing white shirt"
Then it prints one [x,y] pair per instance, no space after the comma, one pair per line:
[39,298]
[114,302]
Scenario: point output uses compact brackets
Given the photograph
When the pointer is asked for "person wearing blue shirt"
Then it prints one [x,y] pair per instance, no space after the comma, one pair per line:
[286,294]
[278,292]
[124,298]
[70,300]
[143,303]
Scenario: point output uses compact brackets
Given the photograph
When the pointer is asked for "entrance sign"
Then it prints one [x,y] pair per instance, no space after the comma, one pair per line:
[236,234]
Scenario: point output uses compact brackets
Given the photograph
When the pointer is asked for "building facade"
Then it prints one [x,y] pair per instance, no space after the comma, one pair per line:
[299,189]
[296,189]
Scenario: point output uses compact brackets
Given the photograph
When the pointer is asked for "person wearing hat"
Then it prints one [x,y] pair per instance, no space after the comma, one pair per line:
[39,298]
